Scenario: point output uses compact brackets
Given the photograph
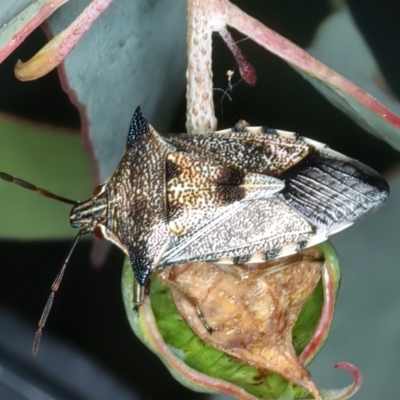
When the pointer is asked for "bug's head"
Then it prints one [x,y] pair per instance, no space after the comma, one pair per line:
[90,213]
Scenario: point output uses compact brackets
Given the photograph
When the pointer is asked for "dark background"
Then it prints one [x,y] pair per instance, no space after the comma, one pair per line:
[88,312]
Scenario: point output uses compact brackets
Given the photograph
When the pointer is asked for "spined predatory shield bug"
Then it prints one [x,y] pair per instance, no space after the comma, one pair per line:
[239,196]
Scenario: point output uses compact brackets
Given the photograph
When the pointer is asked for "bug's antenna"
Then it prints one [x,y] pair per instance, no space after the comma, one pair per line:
[54,288]
[36,189]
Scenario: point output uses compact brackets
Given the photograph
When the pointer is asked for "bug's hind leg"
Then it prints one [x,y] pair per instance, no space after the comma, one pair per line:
[201,316]
[164,277]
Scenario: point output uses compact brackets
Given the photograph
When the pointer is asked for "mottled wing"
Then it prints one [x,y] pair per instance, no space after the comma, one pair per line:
[322,184]
[324,193]
[199,189]
[244,232]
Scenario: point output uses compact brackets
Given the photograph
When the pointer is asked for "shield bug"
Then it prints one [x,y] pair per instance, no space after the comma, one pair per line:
[239,196]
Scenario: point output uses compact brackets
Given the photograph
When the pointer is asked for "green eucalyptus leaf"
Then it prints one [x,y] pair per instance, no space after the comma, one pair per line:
[339,44]
[134,54]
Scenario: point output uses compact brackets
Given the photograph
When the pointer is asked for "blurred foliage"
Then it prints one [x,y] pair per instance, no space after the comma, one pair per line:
[49,158]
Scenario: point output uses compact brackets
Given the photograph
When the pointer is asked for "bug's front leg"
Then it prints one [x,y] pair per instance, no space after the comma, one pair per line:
[138,294]
[142,269]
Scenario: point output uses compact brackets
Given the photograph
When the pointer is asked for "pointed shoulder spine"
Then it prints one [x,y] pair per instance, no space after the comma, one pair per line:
[138,127]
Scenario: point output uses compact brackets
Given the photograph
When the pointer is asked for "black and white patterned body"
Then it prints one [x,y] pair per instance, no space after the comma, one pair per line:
[243,196]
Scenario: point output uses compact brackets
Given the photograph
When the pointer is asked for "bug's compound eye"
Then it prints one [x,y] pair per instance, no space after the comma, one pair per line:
[97,190]
[98,231]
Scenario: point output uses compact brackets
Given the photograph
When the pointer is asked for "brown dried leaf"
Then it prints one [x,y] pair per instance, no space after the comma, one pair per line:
[251,312]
